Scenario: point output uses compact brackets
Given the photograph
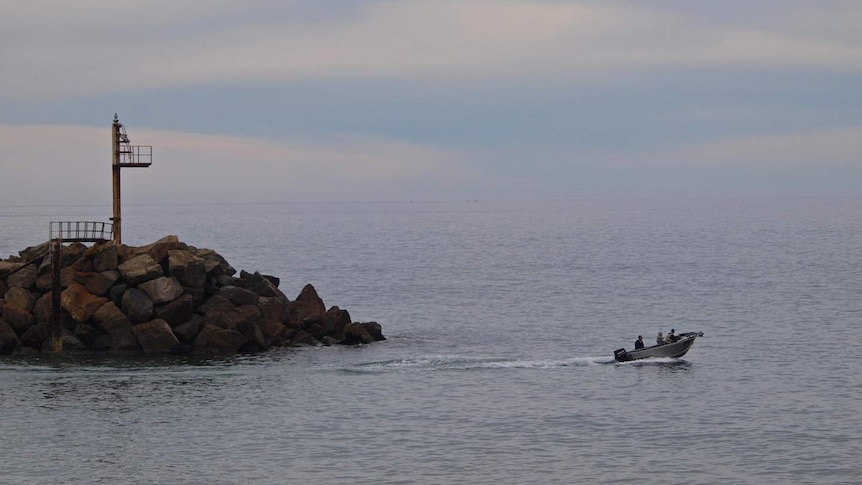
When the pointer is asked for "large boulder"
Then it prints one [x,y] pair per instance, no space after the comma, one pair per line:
[215,340]
[216,304]
[271,329]
[80,303]
[307,306]
[262,285]
[20,320]
[98,283]
[188,268]
[156,337]
[238,296]
[137,306]
[355,334]
[335,320]
[176,312]
[188,331]
[105,257]
[374,329]
[118,327]
[139,269]
[46,281]
[24,277]
[20,298]
[8,339]
[71,344]
[36,335]
[162,290]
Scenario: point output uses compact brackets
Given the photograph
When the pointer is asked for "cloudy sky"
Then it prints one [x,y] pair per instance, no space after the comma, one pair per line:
[283,100]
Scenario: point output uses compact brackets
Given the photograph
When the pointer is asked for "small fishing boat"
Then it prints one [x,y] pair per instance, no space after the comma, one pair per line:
[673,350]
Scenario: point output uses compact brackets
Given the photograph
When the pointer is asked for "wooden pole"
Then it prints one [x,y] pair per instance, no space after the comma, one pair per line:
[56,311]
[115,172]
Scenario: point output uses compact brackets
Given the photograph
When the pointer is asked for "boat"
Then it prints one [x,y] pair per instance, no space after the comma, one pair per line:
[673,350]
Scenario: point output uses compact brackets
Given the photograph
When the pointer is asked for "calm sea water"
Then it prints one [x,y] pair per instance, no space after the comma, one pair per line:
[502,318]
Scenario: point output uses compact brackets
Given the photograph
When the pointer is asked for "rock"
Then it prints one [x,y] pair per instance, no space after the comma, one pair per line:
[118,327]
[7,267]
[87,334]
[105,257]
[43,309]
[80,303]
[176,312]
[355,334]
[139,269]
[187,267]
[8,338]
[34,252]
[113,321]
[374,329]
[307,305]
[266,286]
[188,331]
[238,296]
[24,277]
[67,277]
[71,344]
[162,290]
[117,292]
[137,306]
[20,320]
[274,309]
[20,298]
[98,283]
[3,288]
[271,329]
[302,338]
[335,320]
[36,335]
[155,337]
[216,304]
[215,340]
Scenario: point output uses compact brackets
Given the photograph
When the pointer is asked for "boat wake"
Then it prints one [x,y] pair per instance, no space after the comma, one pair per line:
[455,362]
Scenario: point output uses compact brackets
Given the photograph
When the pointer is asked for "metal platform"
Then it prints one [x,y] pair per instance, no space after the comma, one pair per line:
[81,231]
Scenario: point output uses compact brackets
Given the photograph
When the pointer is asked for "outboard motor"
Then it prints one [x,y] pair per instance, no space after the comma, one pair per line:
[621,355]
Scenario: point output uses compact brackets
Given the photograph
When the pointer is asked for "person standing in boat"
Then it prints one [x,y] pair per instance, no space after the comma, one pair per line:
[671,337]
[659,340]
[639,343]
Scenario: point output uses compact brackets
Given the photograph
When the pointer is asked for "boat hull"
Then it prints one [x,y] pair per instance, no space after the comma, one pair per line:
[668,351]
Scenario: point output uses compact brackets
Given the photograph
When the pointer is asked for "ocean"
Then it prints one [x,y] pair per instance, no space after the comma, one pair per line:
[501,319]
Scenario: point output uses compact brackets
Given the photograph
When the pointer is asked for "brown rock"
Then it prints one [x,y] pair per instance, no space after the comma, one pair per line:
[113,321]
[355,334]
[80,303]
[36,335]
[335,320]
[139,269]
[187,267]
[137,306]
[20,298]
[176,312]
[20,320]
[308,305]
[215,340]
[188,331]
[262,285]
[162,290]
[274,309]
[67,277]
[8,339]
[105,257]
[303,338]
[71,344]
[98,283]
[374,330]
[216,304]
[25,277]
[43,309]
[238,296]
[155,337]
[271,330]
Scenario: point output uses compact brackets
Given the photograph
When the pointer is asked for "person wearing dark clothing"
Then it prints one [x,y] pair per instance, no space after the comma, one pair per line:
[639,343]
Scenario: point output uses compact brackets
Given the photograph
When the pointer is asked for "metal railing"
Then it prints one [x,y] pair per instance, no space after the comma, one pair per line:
[81,231]
[136,155]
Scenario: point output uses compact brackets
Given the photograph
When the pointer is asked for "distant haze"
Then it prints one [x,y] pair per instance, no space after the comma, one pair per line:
[431,99]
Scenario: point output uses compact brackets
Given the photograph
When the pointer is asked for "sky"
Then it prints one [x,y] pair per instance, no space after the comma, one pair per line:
[348,100]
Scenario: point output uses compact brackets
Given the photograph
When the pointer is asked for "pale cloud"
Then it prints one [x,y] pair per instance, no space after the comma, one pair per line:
[74,161]
[477,40]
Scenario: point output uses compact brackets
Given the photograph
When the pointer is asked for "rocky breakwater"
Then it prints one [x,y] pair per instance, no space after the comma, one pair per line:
[163,298]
